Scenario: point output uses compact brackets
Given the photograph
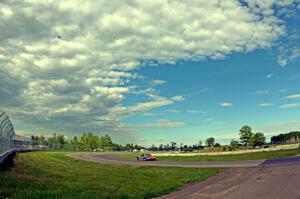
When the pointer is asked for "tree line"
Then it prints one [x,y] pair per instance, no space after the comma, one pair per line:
[88,141]
[286,138]
[91,141]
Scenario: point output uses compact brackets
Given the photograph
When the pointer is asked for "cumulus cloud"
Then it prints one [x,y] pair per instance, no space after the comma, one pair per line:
[269,76]
[195,111]
[295,96]
[163,123]
[265,104]
[158,82]
[178,98]
[290,105]
[226,104]
[213,121]
[71,64]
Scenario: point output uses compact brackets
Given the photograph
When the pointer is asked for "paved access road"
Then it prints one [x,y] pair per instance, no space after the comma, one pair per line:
[261,179]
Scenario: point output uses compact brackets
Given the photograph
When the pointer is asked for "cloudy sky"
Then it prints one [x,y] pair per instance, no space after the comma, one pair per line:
[150,71]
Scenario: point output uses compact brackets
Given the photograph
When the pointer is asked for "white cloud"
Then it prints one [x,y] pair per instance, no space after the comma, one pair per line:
[282,90]
[163,123]
[173,111]
[295,96]
[213,121]
[265,104]
[178,98]
[71,62]
[282,61]
[291,105]
[262,92]
[158,82]
[149,114]
[226,104]
[288,54]
[269,76]
[195,111]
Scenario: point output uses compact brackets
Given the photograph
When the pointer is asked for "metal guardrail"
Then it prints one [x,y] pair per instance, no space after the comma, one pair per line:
[7,133]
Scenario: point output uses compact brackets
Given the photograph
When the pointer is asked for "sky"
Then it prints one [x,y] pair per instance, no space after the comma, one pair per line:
[150,72]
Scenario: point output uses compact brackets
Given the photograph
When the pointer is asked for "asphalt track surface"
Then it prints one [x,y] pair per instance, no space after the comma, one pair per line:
[116,159]
[263,179]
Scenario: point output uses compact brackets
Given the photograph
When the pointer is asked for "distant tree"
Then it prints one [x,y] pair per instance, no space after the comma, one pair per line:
[160,147]
[258,139]
[89,140]
[185,147]
[233,144]
[34,140]
[217,145]
[173,146]
[41,139]
[200,143]
[61,141]
[153,147]
[210,141]
[75,142]
[52,141]
[291,137]
[105,141]
[167,147]
[245,135]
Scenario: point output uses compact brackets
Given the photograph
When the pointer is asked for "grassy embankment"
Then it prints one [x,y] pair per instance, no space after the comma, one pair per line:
[53,175]
[210,158]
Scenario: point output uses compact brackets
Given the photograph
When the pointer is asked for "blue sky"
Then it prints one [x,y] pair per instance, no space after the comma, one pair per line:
[151,73]
[253,87]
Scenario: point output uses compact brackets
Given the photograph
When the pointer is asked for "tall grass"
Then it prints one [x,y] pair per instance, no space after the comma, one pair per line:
[53,175]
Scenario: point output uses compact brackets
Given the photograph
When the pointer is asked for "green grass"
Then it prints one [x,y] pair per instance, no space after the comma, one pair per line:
[211,158]
[53,175]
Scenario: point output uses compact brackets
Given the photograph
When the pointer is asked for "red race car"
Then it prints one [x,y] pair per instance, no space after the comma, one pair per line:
[146,157]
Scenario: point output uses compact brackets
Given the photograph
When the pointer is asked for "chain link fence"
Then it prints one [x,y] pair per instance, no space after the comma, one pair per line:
[7,133]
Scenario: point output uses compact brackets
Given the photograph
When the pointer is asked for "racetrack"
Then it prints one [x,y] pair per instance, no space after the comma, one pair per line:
[116,159]
[262,179]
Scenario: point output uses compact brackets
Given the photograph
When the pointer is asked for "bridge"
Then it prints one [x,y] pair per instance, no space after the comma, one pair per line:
[9,142]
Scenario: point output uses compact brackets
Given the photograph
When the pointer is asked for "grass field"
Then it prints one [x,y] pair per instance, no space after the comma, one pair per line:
[53,175]
[210,158]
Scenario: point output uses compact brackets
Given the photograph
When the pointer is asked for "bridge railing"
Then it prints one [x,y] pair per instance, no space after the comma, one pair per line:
[6,133]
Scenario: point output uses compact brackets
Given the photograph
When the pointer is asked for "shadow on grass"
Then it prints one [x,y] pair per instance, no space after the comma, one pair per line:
[8,163]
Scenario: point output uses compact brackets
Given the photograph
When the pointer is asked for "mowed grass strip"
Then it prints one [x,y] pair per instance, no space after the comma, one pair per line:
[54,175]
[232,157]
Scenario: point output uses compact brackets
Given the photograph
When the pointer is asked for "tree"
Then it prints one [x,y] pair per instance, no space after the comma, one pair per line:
[129,147]
[258,139]
[217,145]
[200,143]
[41,139]
[52,141]
[245,135]
[105,141]
[89,140]
[291,137]
[75,142]
[234,144]
[61,141]
[210,141]
[160,147]
[173,146]
[153,147]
